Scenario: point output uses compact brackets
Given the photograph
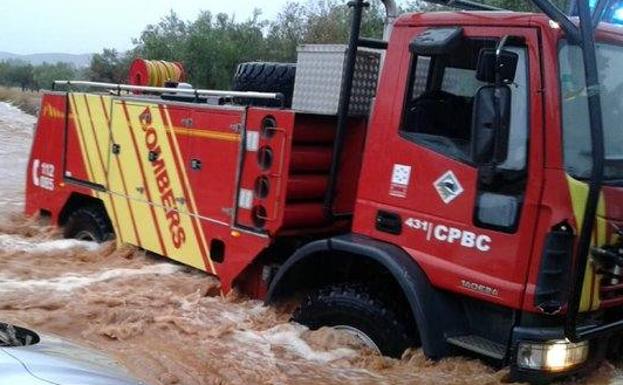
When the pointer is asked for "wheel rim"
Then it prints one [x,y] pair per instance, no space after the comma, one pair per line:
[85,236]
[360,336]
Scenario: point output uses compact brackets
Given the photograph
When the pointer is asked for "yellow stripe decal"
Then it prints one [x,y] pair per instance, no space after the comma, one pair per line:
[590,289]
[209,134]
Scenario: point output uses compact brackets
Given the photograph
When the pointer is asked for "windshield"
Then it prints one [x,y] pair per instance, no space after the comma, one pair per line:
[576,124]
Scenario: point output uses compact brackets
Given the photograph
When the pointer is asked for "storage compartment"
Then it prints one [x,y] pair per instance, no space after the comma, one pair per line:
[319,73]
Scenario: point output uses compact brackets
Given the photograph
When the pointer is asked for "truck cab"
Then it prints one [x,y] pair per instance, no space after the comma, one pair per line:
[447,211]
[482,182]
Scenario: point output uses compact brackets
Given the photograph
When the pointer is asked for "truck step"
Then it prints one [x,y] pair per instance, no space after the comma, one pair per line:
[479,345]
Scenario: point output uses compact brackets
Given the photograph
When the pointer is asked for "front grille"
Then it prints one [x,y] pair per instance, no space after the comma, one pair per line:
[610,262]
[610,293]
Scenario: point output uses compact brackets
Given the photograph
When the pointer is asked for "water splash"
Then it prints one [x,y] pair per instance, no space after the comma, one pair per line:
[167,322]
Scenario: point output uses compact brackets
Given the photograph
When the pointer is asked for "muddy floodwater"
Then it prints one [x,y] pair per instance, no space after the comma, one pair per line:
[167,323]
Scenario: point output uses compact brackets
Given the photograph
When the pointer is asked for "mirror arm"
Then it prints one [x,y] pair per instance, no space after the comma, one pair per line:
[500,46]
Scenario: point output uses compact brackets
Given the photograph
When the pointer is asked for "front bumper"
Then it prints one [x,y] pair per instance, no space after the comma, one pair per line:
[544,336]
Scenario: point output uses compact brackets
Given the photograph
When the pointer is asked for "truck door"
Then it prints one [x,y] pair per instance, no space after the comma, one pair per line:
[470,231]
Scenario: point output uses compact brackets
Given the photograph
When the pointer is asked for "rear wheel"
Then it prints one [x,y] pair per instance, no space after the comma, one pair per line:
[89,224]
[360,312]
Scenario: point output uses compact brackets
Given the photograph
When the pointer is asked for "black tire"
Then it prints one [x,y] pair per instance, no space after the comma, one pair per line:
[265,77]
[357,307]
[89,224]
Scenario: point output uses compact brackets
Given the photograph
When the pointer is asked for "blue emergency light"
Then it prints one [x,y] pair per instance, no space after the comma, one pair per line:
[613,12]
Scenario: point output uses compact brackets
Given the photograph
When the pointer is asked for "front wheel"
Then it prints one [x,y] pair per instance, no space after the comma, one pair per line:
[357,310]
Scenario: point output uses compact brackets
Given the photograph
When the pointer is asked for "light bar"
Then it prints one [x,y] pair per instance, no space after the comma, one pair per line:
[190,91]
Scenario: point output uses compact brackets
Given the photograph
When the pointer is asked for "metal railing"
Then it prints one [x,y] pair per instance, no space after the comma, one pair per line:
[189,91]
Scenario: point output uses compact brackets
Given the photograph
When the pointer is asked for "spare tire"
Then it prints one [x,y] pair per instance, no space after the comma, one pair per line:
[265,77]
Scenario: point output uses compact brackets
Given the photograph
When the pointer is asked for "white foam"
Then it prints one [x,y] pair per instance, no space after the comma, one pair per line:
[617,377]
[14,111]
[10,242]
[289,336]
[69,282]
[16,119]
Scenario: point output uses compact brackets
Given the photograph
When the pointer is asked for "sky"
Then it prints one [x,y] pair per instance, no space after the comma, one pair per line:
[87,26]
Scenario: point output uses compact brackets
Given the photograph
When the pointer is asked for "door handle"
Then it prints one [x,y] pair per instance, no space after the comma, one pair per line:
[388,222]
[153,156]
[195,164]
[187,122]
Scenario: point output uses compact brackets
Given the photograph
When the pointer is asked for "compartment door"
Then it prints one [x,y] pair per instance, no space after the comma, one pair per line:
[212,160]
[87,141]
[149,174]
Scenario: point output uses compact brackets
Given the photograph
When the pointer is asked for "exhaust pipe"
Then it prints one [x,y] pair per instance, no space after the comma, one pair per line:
[391,14]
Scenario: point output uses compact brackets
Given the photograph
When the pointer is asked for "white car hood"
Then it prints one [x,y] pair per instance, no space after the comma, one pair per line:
[55,361]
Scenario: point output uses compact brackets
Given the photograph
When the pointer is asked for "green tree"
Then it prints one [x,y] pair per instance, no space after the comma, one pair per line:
[211,46]
[165,40]
[17,74]
[286,32]
[110,66]
[45,74]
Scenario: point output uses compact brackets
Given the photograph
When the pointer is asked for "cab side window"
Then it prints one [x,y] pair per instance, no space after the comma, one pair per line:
[439,103]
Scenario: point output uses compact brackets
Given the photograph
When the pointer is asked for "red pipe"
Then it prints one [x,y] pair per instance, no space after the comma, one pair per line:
[310,159]
[302,187]
[310,134]
[299,215]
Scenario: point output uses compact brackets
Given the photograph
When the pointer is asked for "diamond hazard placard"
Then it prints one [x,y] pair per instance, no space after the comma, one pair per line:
[448,187]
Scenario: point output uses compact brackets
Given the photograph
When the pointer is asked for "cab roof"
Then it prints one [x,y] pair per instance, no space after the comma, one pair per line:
[494,19]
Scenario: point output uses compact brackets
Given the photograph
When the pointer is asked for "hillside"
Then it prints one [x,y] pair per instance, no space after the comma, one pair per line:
[39,58]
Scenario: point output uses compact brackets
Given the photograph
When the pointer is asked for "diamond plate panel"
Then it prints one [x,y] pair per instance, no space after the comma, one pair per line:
[319,72]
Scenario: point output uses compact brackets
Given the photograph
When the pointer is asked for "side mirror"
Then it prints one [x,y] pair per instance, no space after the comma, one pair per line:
[493,63]
[491,125]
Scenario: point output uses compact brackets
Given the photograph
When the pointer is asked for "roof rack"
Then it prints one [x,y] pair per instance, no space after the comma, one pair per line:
[466,5]
[190,91]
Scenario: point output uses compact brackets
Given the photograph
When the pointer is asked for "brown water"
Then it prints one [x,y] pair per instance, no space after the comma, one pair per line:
[166,322]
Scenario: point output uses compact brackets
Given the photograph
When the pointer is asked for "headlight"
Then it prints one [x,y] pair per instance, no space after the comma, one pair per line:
[554,356]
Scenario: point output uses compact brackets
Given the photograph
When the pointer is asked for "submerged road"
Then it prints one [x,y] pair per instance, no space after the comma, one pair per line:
[166,323]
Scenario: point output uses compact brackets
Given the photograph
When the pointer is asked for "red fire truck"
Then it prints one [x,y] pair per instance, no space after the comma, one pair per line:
[456,186]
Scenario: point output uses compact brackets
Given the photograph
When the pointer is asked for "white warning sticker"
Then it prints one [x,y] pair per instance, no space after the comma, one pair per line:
[253,140]
[401,176]
[43,175]
[245,199]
